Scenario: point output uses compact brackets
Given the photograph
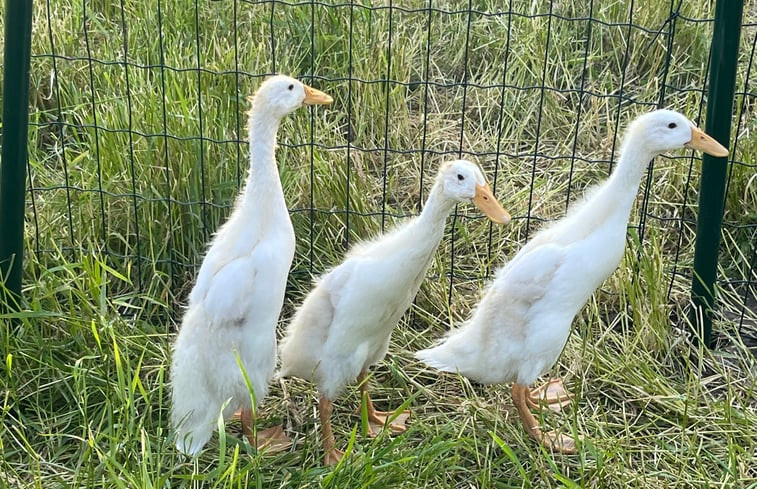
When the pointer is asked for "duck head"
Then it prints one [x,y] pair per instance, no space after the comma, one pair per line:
[463,181]
[665,130]
[280,95]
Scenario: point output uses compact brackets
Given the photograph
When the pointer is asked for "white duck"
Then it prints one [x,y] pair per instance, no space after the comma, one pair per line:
[235,304]
[522,323]
[344,324]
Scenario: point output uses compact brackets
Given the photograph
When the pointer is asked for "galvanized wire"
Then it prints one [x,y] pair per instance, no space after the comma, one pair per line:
[137,240]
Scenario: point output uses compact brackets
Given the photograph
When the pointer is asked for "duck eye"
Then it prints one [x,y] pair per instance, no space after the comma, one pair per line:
[291,87]
[672,125]
[460,177]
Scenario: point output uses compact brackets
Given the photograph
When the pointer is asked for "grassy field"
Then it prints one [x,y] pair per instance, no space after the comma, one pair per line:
[136,155]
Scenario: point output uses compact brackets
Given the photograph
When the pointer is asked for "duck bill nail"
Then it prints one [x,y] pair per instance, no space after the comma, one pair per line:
[484,200]
[706,143]
[316,97]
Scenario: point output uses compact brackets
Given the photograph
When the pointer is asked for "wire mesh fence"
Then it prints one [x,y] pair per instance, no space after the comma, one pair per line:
[137,142]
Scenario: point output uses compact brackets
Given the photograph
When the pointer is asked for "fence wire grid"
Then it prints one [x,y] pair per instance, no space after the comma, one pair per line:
[137,138]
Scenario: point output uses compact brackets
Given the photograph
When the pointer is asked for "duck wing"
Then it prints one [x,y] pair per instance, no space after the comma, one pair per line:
[482,347]
[244,287]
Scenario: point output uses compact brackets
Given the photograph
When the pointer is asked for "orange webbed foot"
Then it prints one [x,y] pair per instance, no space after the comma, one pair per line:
[377,421]
[553,394]
[271,440]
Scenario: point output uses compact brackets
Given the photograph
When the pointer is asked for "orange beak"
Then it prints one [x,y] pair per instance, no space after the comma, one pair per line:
[703,142]
[489,205]
[313,97]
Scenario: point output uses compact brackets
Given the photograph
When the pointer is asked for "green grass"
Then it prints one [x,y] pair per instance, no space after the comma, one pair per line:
[84,377]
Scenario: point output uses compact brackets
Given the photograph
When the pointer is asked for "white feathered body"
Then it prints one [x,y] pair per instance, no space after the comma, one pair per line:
[345,323]
[234,308]
[522,323]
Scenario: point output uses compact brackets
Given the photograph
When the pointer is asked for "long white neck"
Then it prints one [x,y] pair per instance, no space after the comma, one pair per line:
[430,224]
[263,187]
[623,185]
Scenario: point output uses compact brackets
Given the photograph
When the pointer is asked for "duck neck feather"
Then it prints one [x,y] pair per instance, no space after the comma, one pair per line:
[263,187]
[435,211]
[623,184]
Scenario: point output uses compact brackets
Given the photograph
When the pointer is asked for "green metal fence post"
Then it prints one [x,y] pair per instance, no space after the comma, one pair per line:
[725,50]
[18,32]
